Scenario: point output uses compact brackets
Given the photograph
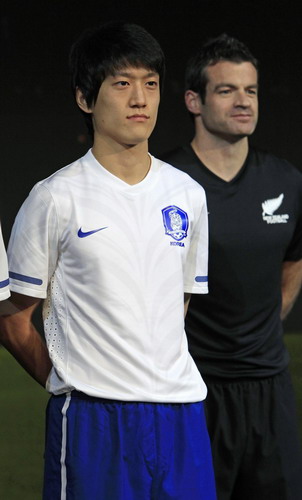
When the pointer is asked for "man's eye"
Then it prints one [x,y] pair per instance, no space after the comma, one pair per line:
[225,91]
[152,83]
[122,83]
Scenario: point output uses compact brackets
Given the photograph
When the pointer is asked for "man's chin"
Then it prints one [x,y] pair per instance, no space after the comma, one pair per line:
[135,143]
[233,138]
[238,135]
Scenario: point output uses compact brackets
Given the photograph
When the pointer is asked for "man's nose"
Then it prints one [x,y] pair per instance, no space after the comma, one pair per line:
[242,99]
[138,96]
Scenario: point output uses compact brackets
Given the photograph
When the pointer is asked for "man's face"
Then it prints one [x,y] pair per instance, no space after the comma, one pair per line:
[126,108]
[230,109]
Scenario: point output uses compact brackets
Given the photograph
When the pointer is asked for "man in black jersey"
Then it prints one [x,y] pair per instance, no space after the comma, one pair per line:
[255,273]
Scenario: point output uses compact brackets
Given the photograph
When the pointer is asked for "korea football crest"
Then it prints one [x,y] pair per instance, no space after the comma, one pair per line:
[176,222]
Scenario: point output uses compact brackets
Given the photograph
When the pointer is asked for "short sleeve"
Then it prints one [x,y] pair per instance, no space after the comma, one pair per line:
[196,271]
[294,251]
[33,245]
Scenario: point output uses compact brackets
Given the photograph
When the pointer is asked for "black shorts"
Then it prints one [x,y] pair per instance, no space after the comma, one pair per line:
[255,442]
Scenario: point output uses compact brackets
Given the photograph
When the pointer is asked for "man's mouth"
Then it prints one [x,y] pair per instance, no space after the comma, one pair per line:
[138,118]
[242,116]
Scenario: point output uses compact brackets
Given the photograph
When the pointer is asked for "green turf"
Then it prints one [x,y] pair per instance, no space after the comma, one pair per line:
[23,403]
[294,345]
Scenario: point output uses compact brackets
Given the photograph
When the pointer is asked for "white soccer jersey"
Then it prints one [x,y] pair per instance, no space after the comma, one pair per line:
[4,281]
[113,262]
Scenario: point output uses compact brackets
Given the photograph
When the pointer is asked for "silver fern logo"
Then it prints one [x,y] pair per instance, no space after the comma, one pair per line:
[269,208]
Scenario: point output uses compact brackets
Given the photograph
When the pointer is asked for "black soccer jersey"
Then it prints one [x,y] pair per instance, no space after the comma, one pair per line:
[255,223]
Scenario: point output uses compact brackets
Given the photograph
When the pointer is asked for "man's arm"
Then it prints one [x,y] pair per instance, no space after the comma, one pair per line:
[19,336]
[291,285]
[187,298]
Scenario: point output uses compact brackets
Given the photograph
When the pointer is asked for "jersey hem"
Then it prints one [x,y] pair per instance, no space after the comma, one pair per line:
[196,289]
[4,295]
[27,291]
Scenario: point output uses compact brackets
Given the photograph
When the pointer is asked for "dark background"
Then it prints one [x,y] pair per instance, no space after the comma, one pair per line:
[41,129]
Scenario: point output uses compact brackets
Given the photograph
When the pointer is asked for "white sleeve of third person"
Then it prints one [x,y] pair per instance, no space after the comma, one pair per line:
[4,280]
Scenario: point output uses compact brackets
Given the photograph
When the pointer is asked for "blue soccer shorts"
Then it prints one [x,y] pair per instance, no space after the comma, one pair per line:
[100,449]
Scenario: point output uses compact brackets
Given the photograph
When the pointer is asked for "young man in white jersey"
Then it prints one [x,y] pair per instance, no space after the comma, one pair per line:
[114,242]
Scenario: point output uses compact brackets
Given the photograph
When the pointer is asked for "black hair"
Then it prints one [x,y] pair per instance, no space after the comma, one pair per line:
[102,51]
[222,48]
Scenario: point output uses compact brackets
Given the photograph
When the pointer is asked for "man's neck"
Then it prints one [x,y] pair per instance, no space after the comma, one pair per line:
[223,158]
[131,164]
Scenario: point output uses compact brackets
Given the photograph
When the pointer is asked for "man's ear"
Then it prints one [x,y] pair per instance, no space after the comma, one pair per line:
[193,102]
[81,101]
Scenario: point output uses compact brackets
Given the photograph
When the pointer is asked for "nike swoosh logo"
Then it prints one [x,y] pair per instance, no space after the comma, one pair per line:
[82,234]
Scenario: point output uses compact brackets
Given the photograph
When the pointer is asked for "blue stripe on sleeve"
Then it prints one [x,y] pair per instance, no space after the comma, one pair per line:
[201,279]
[26,279]
[4,283]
